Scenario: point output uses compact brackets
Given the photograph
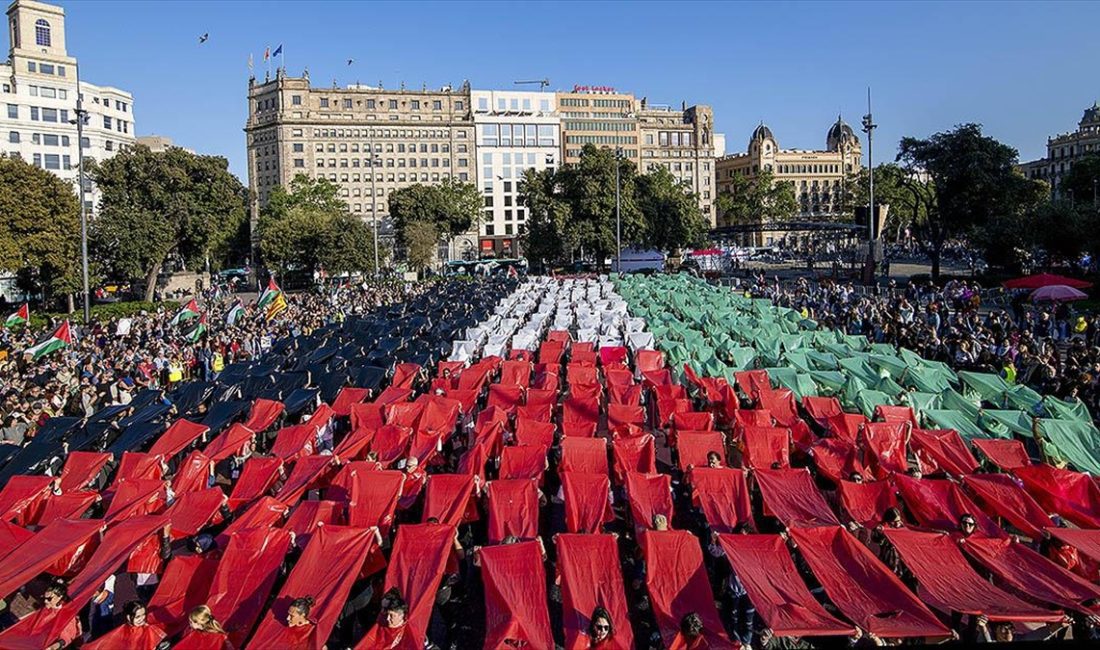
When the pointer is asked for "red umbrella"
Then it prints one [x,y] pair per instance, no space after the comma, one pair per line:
[1046,280]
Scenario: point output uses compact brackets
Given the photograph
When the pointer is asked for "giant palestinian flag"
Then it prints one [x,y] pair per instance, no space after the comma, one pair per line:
[59,339]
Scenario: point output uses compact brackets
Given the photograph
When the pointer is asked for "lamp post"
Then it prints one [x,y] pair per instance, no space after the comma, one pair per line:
[374,161]
[868,127]
[618,217]
[81,118]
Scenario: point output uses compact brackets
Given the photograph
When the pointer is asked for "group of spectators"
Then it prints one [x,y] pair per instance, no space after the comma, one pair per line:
[1046,346]
[109,361]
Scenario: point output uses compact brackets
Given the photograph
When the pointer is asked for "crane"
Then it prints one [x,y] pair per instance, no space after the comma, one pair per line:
[543,83]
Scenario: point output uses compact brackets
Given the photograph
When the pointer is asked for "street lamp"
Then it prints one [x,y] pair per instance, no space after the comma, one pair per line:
[374,161]
[868,127]
[81,118]
[618,217]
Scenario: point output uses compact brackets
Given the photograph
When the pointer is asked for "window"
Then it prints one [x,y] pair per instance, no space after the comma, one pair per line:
[45,68]
[13,137]
[64,116]
[50,140]
[53,161]
[296,100]
[49,114]
[347,103]
[34,112]
[324,102]
[507,229]
[37,160]
[544,105]
[31,67]
[370,104]
[66,162]
[482,103]
[61,72]
[106,122]
[459,106]
[393,104]
[85,143]
[415,104]
[110,146]
[437,105]
[42,33]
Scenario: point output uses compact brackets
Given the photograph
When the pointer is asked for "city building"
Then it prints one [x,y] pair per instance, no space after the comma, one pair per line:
[599,116]
[819,176]
[516,131]
[1064,149]
[39,87]
[158,143]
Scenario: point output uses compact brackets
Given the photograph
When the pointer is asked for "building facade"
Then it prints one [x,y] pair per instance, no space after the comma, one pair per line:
[1064,149]
[683,142]
[516,131]
[39,89]
[819,176]
[598,116]
[368,140]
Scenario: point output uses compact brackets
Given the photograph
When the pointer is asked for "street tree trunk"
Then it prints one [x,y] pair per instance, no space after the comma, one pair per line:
[151,282]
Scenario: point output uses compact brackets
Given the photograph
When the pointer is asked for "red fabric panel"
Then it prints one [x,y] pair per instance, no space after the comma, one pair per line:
[178,436]
[576,409]
[309,472]
[424,446]
[536,396]
[939,503]
[391,443]
[836,459]
[136,465]
[693,447]
[374,498]
[649,495]
[36,554]
[450,499]
[522,461]
[751,418]
[257,478]
[354,445]
[539,412]
[193,473]
[244,578]
[582,370]
[367,415]
[678,585]
[666,408]
[198,640]
[662,377]
[637,454]
[263,415]
[533,432]
[474,377]
[628,395]
[192,511]
[416,567]
[784,409]
[293,442]
[513,509]
[183,586]
[765,446]
[620,414]
[583,455]
[949,584]
[571,429]
[587,501]
[23,499]
[1005,454]
[865,503]
[440,414]
[348,397]
[1002,497]
[11,536]
[310,516]
[467,399]
[942,450]
[516,373]
[618,376]
[590,578]
[1032,574]
[1070,494]
[895,414]
[752,382]
[847,426]
[32,632]
[128,637]
[885,445]
[693,421]
[864,590]
[583,347]
[263,514]
[723,496]
[229,442]
[404,375]
[515,597]
[764,566]
[472,462]
[403,414]
[794,499]
[81,468]
[134,498]
[649,360]
[1086,541]
[822,409]
[519,355]
[612,354]
[326,571]
[506,398]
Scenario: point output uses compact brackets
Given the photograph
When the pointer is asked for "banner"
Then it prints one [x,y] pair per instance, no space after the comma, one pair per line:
[590,577]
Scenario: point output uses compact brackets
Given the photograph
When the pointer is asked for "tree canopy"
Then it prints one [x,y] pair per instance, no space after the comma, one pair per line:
[672,215]
[451,208]
[757,199]
[158,206]
[40,229]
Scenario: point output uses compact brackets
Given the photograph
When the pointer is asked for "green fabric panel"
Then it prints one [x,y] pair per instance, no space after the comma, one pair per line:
[947,419]
[953,399]
[925,379]
[855,342]
[921,402]
[867,400]
[990,387]
[1076,442]
[799,383]
[799,361]
[884,349]
[895,366]
[823,360]
[1025,399]
[1067,410]
[860,369]
[1005,423]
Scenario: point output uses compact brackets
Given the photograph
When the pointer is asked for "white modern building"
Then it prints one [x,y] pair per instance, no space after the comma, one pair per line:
[40,86]
[516,131]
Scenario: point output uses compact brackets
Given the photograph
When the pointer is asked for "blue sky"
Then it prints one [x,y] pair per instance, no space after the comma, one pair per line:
[1024,70]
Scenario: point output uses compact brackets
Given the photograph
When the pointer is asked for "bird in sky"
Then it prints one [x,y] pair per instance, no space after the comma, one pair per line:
[202,39]
[350,61]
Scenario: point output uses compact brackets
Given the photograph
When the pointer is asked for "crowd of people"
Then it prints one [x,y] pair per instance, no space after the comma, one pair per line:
[1047,346]
[110,360]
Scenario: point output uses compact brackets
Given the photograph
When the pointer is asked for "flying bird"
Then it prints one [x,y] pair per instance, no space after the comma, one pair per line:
[350,61]
[202,39]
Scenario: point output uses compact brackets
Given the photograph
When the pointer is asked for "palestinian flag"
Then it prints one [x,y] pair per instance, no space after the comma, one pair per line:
[196,331]
[189,311]
[235,313]
[278,305]
[269,293]
[61,338]
[21,317]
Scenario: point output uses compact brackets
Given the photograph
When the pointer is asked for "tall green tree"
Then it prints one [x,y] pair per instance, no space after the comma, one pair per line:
[589,188]
[451,207]
[547,236]
[1081,184]
[421,243]
[758,199]
[39,229]
[672,215]
[972,180]
[895,188]
[156,206]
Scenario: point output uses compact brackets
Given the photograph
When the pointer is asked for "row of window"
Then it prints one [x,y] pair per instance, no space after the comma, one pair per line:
[576,153]
[671,138]
[600,126]
[601,139]
[389,162]
[513,104]
[45,68]
[52,161]
[402,178]
[490,229]
[507,201]
[518,135]
[809,169]
[44,139]
[48,92]
[400,147]
[380,133]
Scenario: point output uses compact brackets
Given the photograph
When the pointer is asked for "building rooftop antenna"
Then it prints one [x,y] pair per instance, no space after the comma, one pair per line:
[543,83]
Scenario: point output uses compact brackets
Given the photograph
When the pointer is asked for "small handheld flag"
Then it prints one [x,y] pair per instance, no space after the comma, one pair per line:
[61,338]
[196,331]
[269,293]
[186,313]
[20,317]
[278,305]
[235,313]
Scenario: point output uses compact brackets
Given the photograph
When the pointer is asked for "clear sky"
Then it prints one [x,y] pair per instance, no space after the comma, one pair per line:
[1024,70]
